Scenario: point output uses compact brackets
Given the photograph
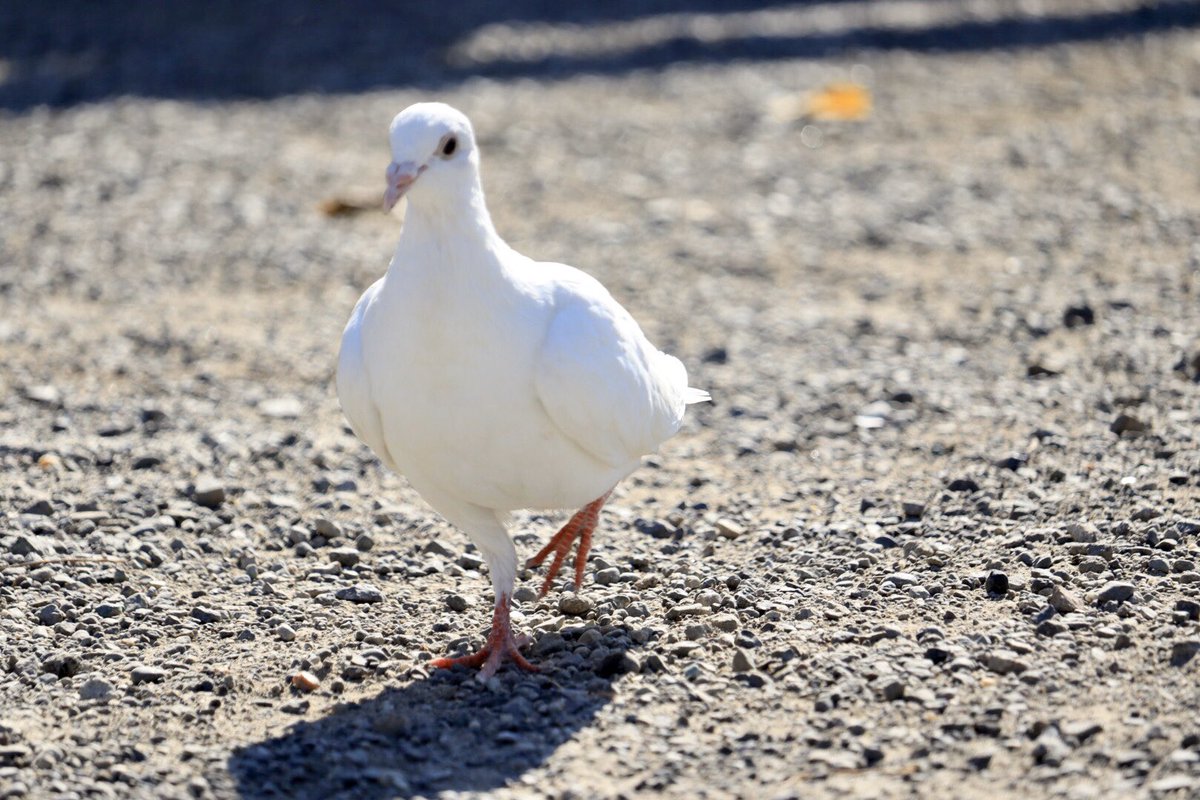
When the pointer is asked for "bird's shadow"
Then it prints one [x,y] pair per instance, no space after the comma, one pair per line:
[443,732]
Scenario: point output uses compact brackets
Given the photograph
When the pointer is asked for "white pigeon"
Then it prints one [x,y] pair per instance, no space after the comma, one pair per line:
[493,382]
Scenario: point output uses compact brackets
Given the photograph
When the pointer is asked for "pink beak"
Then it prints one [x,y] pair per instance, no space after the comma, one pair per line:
[400,177]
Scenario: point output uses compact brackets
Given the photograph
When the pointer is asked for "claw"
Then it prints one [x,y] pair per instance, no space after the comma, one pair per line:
[501,644]
[581,525]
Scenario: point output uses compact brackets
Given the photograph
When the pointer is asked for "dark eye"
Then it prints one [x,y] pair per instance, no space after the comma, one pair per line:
[450,146]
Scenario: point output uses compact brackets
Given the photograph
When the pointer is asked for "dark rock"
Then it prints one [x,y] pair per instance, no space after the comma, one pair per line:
[145,674]
[654,528]
[208,492]
[1119,591]
[996,583]
[1191,608]
[1183,652]
[50,614]
[146,462]
[109,610]
[618,663]
[360,593]
[41,507]
[963,485]
[30,545]
[64,665]
[890,688]
[1124,423]
[205,616]
[1078,316]
[1050,627]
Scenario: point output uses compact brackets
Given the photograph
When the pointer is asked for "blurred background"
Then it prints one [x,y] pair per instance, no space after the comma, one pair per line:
[75,51]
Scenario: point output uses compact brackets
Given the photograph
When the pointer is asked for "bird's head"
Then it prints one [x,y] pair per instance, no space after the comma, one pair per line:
[433,154]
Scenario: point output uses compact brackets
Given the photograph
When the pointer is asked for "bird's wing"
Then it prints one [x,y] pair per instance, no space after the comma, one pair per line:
[601,381]
[354,382]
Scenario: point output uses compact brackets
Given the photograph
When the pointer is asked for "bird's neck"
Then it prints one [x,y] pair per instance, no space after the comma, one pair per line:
[450,233]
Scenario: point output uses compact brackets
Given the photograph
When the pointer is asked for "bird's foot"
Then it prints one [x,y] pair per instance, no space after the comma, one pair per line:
[501,643]
[581,525]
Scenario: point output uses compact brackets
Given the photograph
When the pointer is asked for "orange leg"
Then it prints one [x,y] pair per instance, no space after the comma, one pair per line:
[581,525]
[501,644]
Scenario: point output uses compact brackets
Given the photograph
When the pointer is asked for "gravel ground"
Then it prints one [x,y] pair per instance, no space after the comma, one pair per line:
[936,536]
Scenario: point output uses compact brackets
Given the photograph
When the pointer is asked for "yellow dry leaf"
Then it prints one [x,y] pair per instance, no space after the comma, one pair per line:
[840,102]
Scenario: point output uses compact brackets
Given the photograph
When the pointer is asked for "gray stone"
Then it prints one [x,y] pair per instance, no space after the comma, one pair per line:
[50,614]
[1158,566]
[1004,662]
[686,610]
[108,610]
[574,605]
[902,579]
[96,689]
[146,674]
[208,492]
[364,542]
[1120,591]
[456,602]
[889,688]
[743,661]
[346,556]
[1183,652]
[608,576]
[64,665]
[205,615]
[1064,601]
[285,632]
[327,528]
[360,593]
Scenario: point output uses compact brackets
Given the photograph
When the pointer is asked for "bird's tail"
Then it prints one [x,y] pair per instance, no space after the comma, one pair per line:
[694,395]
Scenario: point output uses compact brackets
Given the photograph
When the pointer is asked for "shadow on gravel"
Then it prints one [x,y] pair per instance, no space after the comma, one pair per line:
[74,51]
[447,732]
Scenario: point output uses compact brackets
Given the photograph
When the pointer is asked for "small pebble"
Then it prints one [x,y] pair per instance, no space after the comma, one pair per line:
[574,606]
[96,689]
[145,674]
[1119,591]
[306,681]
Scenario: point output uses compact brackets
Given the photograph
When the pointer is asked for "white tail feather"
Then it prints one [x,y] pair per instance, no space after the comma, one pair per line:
[693,395]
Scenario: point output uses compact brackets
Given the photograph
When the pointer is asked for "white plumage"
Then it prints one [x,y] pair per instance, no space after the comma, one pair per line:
[491,381]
